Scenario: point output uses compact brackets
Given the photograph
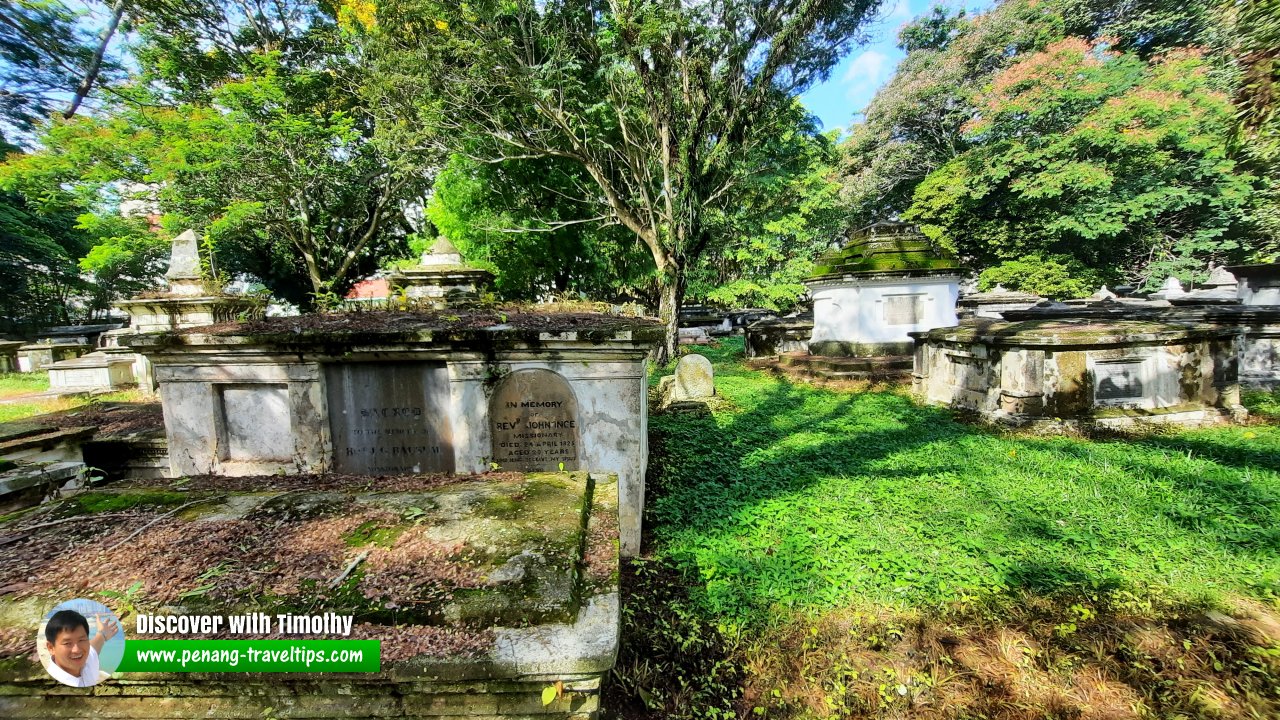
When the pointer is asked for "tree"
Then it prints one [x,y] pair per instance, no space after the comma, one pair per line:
[661,103]
[48,61]
[914,125]
[1098,155]
[518,218]
[37,264]
[1253,29]
[254,128]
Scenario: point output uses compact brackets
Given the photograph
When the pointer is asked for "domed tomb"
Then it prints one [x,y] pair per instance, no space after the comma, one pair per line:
[887,281]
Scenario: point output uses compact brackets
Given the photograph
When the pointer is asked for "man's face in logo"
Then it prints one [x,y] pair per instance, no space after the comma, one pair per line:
[70,650]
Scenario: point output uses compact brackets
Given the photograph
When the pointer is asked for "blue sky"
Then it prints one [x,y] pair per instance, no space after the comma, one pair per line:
[865,70]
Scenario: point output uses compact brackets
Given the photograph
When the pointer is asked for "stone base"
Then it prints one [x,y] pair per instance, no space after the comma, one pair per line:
[892,368]
[777,336]
[840,348]
[523,566]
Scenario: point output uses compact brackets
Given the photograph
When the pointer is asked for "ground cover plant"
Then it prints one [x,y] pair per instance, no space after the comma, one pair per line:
[822,553]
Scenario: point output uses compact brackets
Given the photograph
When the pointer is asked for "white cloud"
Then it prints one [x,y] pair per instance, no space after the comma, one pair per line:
[865,73]
[900,12]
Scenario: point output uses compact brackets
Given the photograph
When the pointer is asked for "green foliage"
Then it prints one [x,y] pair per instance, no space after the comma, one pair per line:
[38,248]
[794,498]
[678,661]
[126,257]
[1056,276]
[788,213]
[1097,155]
[521,218]
[43,53]
[932,121]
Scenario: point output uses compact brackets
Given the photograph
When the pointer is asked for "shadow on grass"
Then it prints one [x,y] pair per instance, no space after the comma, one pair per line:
[805,498]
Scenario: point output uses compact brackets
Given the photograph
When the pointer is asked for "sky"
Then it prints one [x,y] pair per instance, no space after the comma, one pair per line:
[865,70]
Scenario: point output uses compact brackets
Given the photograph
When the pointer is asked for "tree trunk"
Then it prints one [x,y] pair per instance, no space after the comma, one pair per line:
[95,65]
[671,286]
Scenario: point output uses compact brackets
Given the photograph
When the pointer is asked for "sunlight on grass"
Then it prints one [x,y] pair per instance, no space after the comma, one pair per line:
[804,498]
[15,384]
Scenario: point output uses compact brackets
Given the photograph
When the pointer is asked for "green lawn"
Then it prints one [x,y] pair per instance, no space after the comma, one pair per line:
[797,534]
[15,385]
[807,498]
[12,384]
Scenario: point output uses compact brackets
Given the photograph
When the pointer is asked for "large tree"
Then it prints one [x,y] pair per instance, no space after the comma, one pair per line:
[914,125]
[251,124]
[664,104]
[1083,152]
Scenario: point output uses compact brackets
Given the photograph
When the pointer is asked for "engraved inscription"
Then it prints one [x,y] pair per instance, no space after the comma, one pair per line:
[389,418]
[1118,381]
[903,309]
[534,422]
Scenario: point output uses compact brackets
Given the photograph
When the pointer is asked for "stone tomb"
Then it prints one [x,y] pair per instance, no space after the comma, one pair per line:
[417,393]
[1104,372]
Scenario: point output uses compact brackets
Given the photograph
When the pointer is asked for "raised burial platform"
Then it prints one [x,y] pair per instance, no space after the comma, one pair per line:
[389,393]
[484,591]
[1091,370]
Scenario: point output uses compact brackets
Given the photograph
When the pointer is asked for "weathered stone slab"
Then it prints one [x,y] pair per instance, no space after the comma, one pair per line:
[390,418]
[534,420]
[255,421]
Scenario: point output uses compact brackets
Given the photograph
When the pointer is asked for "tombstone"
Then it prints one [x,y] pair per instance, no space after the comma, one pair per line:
[441,276]
[390,418]
[9,355]
[533,418]
[693,380]
[886,282]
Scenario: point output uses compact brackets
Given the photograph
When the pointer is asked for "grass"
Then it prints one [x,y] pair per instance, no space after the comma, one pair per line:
[860,524]
[17,385]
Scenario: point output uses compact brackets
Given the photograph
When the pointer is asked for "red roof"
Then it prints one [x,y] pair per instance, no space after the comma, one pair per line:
[371,289]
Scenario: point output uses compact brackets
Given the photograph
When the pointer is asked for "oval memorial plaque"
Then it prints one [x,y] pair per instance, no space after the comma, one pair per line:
[533,418]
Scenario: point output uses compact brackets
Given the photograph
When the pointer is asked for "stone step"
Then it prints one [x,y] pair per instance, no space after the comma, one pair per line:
[846,364]
[896,367]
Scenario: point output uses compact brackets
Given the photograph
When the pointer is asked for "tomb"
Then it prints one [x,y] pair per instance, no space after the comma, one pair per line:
[692,382]
[1091,370]
[441,276]
[385,393]
[885,283]
[9,355]
[95,372]
[186,302]
[483,591]
[38,356]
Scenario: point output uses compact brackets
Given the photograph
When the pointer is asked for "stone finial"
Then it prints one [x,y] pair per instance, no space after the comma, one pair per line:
[441,252]
[1172,287]
[184,265]
[1103,294]
[1220,277]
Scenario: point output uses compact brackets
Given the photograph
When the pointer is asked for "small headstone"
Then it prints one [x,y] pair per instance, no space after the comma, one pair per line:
[1220,277]
[693,380]
[184,265]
